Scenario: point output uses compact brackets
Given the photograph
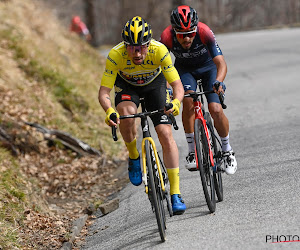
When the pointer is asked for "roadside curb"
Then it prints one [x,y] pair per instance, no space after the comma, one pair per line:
[76,229]
[78,224]
[109,206]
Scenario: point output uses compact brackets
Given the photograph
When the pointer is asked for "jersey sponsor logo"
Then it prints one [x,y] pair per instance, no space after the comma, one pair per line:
[140,79]
[198,46]
[151,51]
[165,56]
[117,89]
[217,47]
[216,44]
[190,54]
[148,62]
[108,72]
[111,60]
[126,97]
[164,118]
[203,51]
[213,34]
[128,62]
[187,86]
[132,67]
[168,67]
[146,128]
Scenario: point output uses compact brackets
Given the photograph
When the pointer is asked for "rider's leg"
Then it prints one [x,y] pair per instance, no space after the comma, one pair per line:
[221,124]
[128,132]
[171,160]
[188,117]
[188,120]
[170,150]
[127,126]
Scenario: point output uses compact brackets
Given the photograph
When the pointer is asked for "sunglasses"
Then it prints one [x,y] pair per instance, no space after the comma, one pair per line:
[182,35]
[139,48]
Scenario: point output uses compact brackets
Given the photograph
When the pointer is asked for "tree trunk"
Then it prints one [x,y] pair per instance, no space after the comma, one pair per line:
[90,14]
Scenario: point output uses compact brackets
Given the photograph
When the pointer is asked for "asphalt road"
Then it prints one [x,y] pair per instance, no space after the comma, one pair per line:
[261,201]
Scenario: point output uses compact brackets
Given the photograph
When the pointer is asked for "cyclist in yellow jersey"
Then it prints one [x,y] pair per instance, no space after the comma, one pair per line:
[137,67]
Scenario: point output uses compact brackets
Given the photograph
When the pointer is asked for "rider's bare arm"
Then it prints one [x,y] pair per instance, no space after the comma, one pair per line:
[178,90]
[105,102]
[104,97]
[221,70]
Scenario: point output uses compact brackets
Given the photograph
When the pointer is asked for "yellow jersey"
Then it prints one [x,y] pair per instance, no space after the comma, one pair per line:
[158,59]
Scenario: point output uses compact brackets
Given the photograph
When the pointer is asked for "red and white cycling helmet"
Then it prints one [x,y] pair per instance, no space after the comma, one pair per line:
[184,17]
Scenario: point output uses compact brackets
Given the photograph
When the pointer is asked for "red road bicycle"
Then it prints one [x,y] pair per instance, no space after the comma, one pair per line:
[208,152]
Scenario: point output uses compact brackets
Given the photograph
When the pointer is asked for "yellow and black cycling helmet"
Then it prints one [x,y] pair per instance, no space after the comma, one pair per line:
[137,32]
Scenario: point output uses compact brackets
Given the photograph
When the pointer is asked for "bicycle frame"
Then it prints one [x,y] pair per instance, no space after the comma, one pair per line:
[151,141]
[147,136]
[199,115]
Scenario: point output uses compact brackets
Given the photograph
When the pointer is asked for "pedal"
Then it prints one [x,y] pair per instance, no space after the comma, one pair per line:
[219,167]
[192,169]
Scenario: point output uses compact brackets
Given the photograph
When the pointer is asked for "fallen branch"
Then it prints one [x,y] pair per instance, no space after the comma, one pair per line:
[76,145]
[7,141]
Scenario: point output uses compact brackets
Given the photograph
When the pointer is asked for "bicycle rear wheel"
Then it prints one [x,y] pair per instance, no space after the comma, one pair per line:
[204,166]
[155,193]
[215,146]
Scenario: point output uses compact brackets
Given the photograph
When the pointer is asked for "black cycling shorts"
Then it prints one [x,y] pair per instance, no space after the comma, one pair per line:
[154,95]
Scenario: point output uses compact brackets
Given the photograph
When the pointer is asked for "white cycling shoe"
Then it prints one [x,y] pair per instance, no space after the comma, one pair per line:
[230,162]
[190,163]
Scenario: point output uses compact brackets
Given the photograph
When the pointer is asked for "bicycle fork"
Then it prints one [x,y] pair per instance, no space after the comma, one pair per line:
[151,141]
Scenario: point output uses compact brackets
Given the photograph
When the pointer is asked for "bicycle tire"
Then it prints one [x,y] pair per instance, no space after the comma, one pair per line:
[204,166]
[217,175]
[154,194]
[166,193]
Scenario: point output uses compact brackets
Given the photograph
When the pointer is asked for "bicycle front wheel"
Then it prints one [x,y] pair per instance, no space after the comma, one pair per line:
[217,157]
[154,192]
[166,195]
[204,166]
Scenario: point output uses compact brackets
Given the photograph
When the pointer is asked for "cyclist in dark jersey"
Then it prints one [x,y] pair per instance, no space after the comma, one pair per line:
[198,56]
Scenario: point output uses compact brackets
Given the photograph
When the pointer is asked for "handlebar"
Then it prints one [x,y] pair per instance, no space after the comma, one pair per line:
[113,117]
[195,95]
[173,120]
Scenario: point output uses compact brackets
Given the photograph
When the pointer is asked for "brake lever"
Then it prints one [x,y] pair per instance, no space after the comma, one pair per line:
[172,118]
[221,96]
[113,117]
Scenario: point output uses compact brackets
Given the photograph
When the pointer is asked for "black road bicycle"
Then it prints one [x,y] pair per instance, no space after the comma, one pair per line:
[155,175]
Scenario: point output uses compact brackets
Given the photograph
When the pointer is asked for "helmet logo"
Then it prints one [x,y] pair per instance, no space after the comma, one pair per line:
[185,14]
[136,32]
[136,28]
[184,17]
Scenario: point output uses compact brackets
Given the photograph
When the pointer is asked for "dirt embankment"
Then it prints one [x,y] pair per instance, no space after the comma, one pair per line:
[50,77]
